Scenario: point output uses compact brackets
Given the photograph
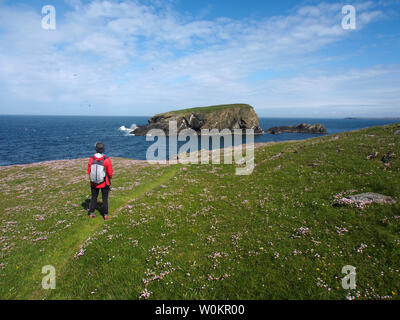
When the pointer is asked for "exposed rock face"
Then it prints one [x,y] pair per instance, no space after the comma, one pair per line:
[300,128]
[217,117]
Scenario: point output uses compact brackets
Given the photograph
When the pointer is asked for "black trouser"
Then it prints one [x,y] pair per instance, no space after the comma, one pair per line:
[104,195]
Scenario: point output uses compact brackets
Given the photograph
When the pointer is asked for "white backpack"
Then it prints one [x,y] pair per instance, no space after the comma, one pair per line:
[97,171]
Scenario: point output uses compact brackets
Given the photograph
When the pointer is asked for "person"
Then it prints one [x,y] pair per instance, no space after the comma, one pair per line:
[100,172]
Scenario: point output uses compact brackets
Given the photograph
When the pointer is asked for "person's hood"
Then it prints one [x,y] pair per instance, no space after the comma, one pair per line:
[99,156]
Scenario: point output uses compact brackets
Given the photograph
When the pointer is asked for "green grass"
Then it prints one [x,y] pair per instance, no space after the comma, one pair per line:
[210,108]
[201,232]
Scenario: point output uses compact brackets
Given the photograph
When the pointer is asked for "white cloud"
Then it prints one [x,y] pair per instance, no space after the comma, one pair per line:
[127,57]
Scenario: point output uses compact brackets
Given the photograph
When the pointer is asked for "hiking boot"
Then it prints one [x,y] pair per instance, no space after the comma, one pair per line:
[106,217]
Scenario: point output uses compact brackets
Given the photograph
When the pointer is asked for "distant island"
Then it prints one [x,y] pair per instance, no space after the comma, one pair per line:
[300,128]
[366,118]
[229,116]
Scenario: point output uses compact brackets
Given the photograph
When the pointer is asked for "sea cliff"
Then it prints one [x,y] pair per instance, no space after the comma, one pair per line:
[234,116]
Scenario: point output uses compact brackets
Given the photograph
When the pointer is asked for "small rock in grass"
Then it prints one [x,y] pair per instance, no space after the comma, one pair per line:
[363,199]
[387,157]
[314,164]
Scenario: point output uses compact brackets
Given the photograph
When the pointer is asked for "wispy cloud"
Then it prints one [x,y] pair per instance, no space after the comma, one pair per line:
[133,58]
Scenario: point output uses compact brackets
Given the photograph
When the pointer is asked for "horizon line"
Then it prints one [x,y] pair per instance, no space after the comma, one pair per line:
[273,117]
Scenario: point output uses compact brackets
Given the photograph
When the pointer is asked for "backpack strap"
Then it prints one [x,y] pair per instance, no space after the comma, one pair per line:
[105,180]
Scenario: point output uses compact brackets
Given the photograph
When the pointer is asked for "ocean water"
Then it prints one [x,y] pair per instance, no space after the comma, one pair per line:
[28,139]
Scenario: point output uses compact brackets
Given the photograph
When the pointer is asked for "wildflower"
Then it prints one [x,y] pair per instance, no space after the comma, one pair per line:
[362,247]
[145,294]
[80,253]
[300,232]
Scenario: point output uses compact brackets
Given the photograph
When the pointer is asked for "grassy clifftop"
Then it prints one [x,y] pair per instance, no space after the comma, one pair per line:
[201,232]
[210,108]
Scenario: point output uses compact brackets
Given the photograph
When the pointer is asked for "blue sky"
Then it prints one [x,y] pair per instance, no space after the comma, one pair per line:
[286,58]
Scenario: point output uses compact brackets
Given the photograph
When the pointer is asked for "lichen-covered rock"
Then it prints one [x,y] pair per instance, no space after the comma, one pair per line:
[363,199]
[222,117]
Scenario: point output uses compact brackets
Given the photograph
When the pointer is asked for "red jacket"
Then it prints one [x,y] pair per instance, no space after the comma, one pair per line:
[108,168]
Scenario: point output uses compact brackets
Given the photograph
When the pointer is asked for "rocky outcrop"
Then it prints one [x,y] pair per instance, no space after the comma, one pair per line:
[300,128]
[216,117]
[363,199]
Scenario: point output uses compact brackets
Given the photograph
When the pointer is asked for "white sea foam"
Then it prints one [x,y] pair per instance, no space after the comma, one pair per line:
[125,129]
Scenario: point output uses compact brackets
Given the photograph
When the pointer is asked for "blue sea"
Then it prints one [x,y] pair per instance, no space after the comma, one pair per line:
[28,139]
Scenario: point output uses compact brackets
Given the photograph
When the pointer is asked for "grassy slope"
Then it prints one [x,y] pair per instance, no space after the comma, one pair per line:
[210,108]
[200,231]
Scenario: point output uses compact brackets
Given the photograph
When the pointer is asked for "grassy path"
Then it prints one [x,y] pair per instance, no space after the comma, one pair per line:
[61,255]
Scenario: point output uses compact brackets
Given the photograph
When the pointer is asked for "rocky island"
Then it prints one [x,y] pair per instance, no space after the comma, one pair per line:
[231,116]
[300,128]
